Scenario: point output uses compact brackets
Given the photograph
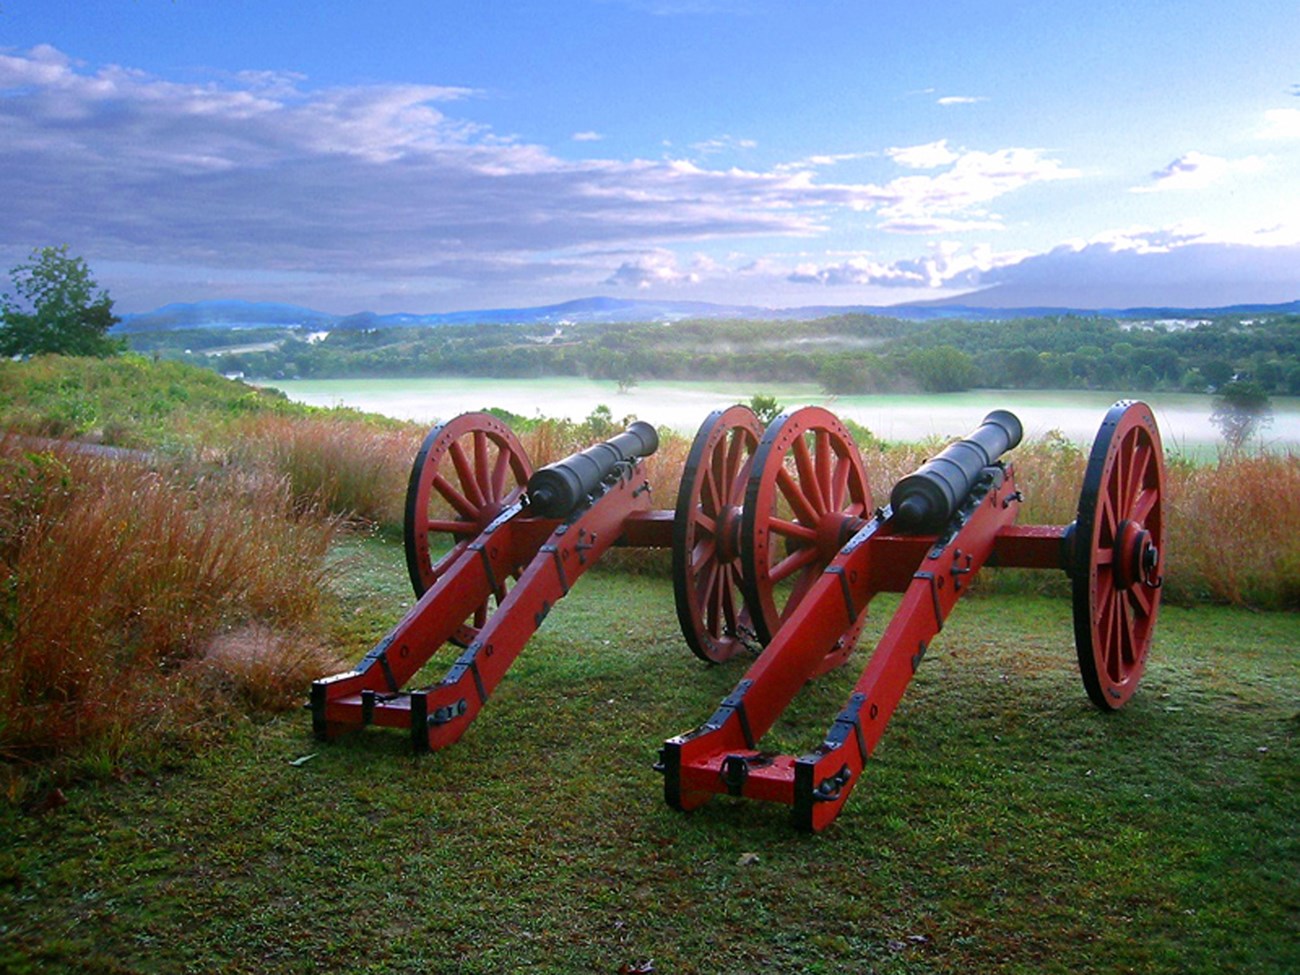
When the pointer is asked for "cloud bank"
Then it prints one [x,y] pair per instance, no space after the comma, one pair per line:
[388,195]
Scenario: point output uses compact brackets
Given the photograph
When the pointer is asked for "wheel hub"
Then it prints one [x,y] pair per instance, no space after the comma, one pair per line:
[1135,556]
[728,534]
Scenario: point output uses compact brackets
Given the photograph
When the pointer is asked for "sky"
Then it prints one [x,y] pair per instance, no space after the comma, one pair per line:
[437,156]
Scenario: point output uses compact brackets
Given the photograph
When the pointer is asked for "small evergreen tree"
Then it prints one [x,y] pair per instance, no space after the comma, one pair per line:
[56,307]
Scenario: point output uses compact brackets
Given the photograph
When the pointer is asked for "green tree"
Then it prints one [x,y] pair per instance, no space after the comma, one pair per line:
[942,369]
[1241,407]
[1021,367]
[1217,372]
[56,307]
[841,374]
[766,408]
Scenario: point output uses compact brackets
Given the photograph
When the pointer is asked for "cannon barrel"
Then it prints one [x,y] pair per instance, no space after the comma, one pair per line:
[927,498]
[556,490]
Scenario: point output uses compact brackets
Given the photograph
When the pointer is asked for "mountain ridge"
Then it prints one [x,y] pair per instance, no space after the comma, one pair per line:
[238,314]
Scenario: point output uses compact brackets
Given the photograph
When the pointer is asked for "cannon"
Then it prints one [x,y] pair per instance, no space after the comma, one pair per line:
[778,548]
[813,552]
[516,542]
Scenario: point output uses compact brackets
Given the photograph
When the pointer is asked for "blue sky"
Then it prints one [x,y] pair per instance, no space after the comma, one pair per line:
[439,156]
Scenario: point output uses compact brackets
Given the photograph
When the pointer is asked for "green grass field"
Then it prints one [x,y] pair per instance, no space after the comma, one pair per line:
[1004,826]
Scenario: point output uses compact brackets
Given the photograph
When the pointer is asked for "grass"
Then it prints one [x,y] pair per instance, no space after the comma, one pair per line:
[130,592]
[158,618]
[1004,826]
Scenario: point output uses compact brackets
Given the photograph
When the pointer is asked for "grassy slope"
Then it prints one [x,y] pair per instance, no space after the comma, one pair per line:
[1005,825]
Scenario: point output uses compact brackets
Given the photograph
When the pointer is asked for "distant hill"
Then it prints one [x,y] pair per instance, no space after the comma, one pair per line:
[233,314]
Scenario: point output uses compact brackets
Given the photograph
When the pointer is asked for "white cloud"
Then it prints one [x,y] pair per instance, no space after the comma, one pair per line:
[723,143]
[1179,266]
[928,156]
[261,172]
[1196,170]
[975,178]
[947,265]
[654,268]
[960,100]
[1281,123]
[587,137]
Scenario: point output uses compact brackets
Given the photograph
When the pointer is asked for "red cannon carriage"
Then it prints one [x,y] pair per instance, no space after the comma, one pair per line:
[778,548]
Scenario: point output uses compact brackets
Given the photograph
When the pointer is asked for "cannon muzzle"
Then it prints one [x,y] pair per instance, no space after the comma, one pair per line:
[927,498]
[556,490]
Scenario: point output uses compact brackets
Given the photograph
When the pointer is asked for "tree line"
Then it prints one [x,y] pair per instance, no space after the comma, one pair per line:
[57,307]
[843,354]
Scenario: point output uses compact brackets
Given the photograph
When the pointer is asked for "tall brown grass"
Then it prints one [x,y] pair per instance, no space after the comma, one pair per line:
[349,466]
[115,579]
[1232,529]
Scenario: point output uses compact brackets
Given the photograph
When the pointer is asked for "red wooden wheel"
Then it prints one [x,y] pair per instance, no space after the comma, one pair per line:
[467,470]
[1118,554]
[706,535]
[807,495]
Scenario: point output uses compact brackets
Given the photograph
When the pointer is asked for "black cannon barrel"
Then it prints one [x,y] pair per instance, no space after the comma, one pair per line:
[925,499]
[556,490]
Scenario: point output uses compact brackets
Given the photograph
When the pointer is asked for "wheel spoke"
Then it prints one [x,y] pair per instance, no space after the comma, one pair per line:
[736,455]
[792,563]
[789,487]
[704,553]
[792,529]
[482,479]
[454,498]
[710,501]
[823,454]
[1108,529]
[1143,600]
[719,607]
[1123,649]
[808,483]
[1117,488]
[451,527]
[729,609]
[465,474]
[840,483]
[444,563]
[706,523]
[499,472]
[1144,505]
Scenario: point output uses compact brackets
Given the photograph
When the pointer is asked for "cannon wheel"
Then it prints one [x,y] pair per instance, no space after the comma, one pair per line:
[467,470]
[1118,554]
[706,535]
[807,495]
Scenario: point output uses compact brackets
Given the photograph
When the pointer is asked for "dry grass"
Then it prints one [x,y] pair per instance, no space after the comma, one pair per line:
[114,576]
[349,466]
[1232,529]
